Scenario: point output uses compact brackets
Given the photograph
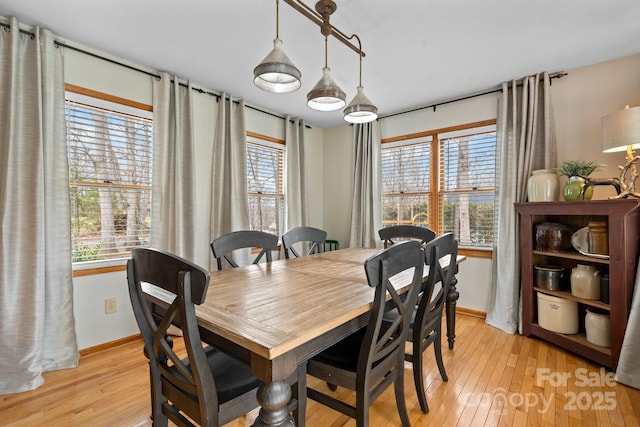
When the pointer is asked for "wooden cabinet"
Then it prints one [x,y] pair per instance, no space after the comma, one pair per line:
[623,219]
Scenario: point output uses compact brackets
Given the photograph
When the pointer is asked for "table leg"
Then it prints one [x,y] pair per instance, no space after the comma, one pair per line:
[452,297]
[273,398]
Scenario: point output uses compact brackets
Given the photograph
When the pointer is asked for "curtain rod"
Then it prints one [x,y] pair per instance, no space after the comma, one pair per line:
[557,75]
[59,43]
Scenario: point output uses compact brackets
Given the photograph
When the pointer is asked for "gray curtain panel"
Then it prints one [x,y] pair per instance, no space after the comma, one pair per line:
[367,186]
[526,142]
[37,328]
[297,207]
[229,199]
[628,371]
[173,192]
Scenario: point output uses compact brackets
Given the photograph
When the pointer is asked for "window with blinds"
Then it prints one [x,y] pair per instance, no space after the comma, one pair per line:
[405,183]
[444,180]
[467,184]
[110,179]
[265,171]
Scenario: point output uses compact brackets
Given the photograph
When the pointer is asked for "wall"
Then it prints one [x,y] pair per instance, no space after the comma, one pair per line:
[580,99]
[93,327]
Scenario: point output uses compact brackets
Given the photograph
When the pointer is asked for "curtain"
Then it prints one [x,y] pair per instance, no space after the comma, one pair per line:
[296,210]
[173,194]
[526,142]
[367,197]
[37,328]
[229,201]
[628,371]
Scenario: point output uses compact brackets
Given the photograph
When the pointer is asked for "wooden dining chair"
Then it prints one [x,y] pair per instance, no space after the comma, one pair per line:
[314,238]
[395,233]
[207,387]
[224,246]
[372,359]
[426,324]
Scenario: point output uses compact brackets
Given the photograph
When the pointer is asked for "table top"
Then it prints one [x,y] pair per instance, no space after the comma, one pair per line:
[272,308]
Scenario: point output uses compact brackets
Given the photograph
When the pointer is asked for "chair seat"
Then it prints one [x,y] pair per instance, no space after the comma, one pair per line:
[344,354]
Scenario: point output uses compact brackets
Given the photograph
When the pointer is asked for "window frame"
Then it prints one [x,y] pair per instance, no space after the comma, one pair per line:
[435,190]
[253,138]
[96,99]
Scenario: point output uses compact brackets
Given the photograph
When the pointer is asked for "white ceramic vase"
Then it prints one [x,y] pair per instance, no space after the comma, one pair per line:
[543,186]
[598,328]
[585,282]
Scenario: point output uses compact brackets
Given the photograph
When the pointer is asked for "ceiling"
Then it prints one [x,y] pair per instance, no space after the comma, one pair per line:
[418,52]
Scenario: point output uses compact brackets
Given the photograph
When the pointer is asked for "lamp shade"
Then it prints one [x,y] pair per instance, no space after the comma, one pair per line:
[326,95]
[276,73]
[620,130]
[360,109]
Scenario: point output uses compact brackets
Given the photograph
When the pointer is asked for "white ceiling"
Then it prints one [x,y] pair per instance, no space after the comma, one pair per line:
[418,52]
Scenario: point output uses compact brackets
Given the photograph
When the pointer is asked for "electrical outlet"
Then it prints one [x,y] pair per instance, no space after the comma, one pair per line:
[110,305]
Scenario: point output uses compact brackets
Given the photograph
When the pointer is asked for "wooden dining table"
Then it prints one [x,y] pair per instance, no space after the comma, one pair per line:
[277,315]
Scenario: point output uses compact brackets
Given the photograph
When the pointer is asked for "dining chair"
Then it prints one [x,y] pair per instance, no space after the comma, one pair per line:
[405,232]
[207,387]
[371,359]
[314,238]
[224,246]
[331,245]
[426,324]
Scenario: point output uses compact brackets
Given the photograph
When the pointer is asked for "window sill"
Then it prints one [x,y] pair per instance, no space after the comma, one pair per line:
[476,252]
[98,267]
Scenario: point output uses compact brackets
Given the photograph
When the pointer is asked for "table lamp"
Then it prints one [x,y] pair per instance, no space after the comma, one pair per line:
[620,132]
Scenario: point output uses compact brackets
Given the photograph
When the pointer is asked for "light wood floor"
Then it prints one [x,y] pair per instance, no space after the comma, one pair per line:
[495,379]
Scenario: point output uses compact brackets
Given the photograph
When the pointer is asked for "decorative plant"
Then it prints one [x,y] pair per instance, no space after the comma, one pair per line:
[580,168]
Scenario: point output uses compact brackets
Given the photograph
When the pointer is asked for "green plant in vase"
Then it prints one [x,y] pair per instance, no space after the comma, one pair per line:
[577,171]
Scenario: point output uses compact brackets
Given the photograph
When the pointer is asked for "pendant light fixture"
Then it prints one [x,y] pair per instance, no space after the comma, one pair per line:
[326,95]
[276,73]
[360,109]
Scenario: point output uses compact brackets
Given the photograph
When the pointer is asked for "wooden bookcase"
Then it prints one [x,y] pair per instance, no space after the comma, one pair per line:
[623,219]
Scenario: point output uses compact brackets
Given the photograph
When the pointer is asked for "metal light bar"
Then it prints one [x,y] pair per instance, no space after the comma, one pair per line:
[317,18]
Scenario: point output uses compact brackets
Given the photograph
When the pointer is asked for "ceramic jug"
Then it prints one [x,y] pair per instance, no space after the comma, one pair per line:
[543,186]
[585,282]
[597,328]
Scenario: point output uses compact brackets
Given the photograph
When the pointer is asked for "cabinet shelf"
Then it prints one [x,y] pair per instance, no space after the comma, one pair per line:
[572,255]
[569,296]
[623,219]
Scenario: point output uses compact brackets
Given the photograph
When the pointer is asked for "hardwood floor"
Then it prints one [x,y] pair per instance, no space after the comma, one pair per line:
[495,379]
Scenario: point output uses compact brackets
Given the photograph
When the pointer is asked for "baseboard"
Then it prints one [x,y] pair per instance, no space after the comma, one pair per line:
[470,312]
[110,345]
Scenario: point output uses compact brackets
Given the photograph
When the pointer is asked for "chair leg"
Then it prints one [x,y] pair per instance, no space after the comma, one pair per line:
[398,386]
[437,347]
[300,394]
[418,377]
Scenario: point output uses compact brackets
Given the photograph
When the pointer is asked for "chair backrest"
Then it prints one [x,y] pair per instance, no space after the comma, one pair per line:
[384,341]
[224,245]
[314,237]
[436,287]
[390,235]
[177,383]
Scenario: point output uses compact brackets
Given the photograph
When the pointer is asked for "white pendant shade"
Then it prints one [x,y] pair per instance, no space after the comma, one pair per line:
[276,73]
[360,109]
[326,95]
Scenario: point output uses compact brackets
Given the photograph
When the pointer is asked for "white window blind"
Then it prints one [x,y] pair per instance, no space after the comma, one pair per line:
[265,165]
[467,184]
[406,183]
[110,181]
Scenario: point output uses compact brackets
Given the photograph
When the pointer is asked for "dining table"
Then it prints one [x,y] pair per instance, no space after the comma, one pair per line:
[275,316]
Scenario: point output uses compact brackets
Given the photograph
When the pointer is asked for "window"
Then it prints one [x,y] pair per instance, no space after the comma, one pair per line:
[109,150]
[443,180]
[265,166]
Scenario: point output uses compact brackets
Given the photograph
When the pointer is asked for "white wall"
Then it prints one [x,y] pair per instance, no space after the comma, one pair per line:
[580,99]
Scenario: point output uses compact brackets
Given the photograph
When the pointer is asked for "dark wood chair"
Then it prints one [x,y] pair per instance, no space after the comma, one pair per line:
[372,359]
[225,245]
[207,387]
[426,325]
[314,238]
[395,233]
[331,245]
